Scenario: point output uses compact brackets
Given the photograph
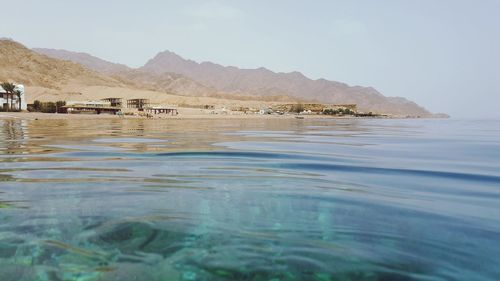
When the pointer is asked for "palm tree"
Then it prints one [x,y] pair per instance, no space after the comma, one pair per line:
[18,94]
[9,89]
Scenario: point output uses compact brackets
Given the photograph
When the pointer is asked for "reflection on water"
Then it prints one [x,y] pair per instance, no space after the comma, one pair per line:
[13,133]
[249,200]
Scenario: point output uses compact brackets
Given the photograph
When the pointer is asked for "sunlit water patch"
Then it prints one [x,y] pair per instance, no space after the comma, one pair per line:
[249,200]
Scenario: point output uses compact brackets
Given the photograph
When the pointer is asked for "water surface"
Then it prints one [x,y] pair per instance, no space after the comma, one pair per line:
[250,200]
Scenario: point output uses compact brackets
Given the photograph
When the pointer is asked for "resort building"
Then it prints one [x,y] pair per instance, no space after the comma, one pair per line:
[138,104]
[5,101]
[113,106]
[116,102]
[162,109]
[90,107]
[94,104]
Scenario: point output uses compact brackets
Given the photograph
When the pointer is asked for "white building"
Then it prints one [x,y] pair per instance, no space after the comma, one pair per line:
[15,102]
[90,103]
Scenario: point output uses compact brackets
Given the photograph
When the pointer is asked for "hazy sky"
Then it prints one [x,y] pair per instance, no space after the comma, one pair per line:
[442,54]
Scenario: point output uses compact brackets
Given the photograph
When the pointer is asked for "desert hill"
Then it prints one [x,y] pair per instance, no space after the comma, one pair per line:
[170,73]
[87,60]
[167,82]
[263,82]
[21,65]
[53,74]
[171,83]
[51,79]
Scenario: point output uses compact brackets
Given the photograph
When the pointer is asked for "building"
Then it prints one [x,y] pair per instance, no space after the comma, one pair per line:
[162,109]
[90,107]
[115,102]
[15,103]
[91,103]
[138,104]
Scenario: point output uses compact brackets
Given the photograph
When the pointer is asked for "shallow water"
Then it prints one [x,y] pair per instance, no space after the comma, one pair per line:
[250,200]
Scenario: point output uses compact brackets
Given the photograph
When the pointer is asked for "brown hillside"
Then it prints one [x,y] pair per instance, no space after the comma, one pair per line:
[171,74]
[21,65]
[263,82]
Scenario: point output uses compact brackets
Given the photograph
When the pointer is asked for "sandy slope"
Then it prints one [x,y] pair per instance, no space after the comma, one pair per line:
[80,93]
[51,79]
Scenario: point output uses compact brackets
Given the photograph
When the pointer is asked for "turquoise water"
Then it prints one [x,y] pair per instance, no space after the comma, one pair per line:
[250,200]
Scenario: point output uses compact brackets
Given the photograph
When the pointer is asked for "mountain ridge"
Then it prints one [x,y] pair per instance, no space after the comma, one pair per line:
[264,82]
[21,65]
[52,79]
[85,59]
[167,69]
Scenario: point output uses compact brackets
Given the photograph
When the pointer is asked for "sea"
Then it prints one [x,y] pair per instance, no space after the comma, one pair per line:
[256,199]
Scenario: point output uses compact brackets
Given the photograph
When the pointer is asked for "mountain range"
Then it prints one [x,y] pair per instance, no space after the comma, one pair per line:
[263,82]
[63,72]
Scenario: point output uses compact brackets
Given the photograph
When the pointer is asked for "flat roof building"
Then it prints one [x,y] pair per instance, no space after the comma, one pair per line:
[116,102]
[139,104]
[162,109]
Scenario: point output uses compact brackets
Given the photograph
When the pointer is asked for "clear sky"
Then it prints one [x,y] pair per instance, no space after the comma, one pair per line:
[442,54]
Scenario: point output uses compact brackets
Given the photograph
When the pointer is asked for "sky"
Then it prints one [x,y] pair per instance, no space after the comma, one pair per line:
[442,54]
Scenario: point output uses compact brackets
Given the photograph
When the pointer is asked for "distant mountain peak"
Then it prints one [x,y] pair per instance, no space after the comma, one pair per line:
[208,78]
[85,59]
[168,53]
[264,82]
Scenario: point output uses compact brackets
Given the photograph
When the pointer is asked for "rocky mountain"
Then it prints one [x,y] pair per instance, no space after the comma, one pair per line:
[170,73]
[51,79]
[166,82]
[171,83]
[21,65]
[263,82]
[84,59]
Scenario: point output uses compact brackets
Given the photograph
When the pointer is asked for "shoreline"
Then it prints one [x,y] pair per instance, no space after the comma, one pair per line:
[64,116]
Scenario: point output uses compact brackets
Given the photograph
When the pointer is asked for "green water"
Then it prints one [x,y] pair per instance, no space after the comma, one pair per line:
[249,200]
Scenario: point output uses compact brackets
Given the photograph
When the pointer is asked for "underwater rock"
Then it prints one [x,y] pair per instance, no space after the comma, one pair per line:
[134,237]
[139,272]
[128,272]
[14,272]
[8,247]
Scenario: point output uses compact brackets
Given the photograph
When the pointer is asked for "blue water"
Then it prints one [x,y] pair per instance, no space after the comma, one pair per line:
[250,200]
